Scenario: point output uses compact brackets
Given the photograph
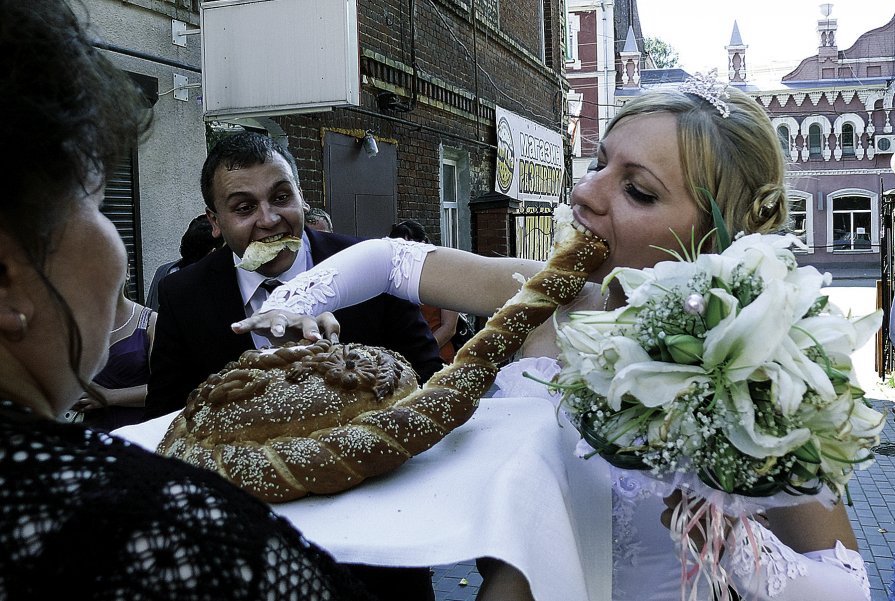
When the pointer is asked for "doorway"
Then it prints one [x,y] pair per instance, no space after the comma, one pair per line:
[361,190]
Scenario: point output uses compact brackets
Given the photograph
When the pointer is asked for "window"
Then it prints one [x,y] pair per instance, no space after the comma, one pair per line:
[573,26]
[852,225]
[122,207]
[488,11]
[874,71]
[814,147]
[800,220]
[450,220]
[848,140]
[783,134]
[575,104]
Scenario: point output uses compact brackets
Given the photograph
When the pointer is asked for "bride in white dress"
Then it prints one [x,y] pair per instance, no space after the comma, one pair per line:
[642,190]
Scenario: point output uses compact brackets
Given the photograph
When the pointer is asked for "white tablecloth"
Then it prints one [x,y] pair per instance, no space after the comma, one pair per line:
[506,484]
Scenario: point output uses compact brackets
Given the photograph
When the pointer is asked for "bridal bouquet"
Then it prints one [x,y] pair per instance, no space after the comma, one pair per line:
[729,374]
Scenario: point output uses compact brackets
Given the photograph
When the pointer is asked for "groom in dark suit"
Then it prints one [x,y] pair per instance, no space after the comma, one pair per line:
[250,187]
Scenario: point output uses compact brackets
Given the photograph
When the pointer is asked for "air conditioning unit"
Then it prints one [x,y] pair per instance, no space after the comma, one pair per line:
[884,144]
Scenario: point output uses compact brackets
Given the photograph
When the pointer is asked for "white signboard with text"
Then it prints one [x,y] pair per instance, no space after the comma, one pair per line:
[529,159]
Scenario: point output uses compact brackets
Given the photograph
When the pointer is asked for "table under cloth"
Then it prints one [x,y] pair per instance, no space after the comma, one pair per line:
[506,484]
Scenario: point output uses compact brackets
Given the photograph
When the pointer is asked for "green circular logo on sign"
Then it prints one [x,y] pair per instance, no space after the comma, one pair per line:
[506,156]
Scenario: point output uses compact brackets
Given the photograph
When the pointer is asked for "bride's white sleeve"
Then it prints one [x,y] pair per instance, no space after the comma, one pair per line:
[837,574]
[358,273]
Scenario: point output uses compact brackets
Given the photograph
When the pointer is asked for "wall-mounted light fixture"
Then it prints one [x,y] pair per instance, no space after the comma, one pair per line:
[370,146]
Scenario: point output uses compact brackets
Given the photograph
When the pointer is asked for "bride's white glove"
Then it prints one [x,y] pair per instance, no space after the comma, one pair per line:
[356,274]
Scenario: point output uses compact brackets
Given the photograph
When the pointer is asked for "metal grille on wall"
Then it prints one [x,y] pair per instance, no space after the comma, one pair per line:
[532,229]
[886,288]
[121,206]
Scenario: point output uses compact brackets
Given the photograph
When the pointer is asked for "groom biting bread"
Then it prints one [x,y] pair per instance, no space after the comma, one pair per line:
[254,203]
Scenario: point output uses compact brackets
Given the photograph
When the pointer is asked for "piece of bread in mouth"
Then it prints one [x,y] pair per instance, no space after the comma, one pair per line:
[258,253]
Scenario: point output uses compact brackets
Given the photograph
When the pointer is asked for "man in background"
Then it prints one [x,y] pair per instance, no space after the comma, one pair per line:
[197,241]
[319,220]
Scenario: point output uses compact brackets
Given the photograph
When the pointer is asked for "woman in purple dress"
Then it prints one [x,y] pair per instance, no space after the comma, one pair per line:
[122,382]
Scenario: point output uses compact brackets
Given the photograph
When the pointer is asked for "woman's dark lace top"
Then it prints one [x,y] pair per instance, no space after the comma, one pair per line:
[95,517]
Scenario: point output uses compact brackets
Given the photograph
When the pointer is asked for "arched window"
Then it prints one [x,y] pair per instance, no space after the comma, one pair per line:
[848,140]
[814,146]
[783,134]
[852,223]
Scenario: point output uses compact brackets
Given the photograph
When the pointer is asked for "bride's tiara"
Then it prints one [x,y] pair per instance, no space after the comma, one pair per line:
[709,88]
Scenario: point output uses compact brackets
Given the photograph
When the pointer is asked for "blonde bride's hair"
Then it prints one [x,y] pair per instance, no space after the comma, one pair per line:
[737,159]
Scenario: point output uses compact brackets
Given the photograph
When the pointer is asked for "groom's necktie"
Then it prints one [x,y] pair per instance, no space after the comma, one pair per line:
[269,284]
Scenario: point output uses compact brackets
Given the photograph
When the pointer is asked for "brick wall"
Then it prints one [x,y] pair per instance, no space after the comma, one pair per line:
[511,74]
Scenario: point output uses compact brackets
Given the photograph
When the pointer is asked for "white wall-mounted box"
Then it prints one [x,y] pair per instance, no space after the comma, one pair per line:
[276,57]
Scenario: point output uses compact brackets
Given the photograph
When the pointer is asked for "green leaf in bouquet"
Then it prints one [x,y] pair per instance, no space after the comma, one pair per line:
[714,311]
[803,489]
[808,453]
[686,255]
[611,452]
[764,489]
[723,482]
[722,234]
[820,304]
[663,354]
[848,461]
[802,481]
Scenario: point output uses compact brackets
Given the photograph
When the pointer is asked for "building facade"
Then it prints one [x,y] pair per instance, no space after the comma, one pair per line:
[154,194]
[833,113]
[421,142]
[433,74]
[599,35]
[834,116]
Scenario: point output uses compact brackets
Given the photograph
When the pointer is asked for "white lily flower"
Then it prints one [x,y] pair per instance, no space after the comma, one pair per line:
[805,283]
[742,342]
[791,358]
[744,435]
[654,383]
[787,389]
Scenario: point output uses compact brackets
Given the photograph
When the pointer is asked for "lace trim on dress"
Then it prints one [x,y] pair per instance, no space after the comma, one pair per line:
[778,561]
[626,545]
[781,564]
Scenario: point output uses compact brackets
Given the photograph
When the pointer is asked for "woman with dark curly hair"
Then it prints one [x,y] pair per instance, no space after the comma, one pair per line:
[81,511]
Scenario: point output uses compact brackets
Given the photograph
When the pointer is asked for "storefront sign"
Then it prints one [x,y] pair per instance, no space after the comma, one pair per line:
[529,159]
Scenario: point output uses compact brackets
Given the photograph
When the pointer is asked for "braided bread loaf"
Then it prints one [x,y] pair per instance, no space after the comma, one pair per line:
[319,419]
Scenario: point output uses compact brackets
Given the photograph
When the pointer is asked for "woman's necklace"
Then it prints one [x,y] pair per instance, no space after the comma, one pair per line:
[133,312]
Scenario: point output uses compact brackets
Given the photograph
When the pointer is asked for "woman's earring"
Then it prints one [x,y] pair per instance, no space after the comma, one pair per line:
[18,334]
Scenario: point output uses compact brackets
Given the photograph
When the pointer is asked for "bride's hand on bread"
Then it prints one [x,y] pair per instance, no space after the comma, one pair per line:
[290,327]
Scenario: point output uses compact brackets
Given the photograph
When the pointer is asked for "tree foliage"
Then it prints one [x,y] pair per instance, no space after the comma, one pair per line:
[663,55]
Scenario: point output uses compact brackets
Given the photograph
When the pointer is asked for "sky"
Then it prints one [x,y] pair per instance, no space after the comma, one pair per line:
[778,33]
